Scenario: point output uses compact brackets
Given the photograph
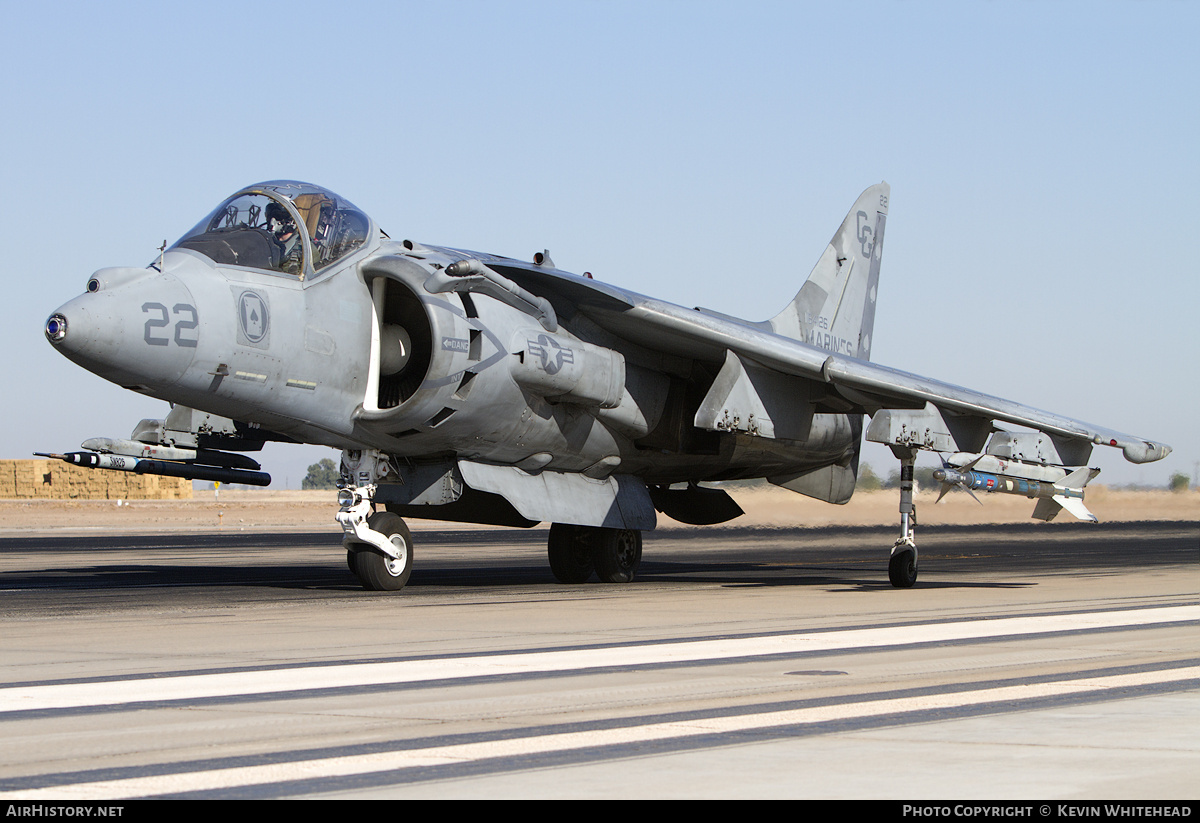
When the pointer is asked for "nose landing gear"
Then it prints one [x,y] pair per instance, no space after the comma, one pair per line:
[378,546]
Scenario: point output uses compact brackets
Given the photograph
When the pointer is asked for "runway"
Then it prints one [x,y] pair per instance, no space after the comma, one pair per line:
[1030,662]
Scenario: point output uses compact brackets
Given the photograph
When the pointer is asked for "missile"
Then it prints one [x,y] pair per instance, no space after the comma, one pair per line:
[165,468]
[134,448]
[1052,496]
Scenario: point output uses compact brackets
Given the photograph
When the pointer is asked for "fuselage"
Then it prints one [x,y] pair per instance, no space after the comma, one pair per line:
[381,349]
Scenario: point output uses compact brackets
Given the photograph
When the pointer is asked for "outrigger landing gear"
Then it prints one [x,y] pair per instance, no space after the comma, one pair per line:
[902,568]
[575,551]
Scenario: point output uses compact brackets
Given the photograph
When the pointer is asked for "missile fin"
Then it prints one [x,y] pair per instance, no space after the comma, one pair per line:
[1075,506]
[1078,478]
[1048,508]
[945,488]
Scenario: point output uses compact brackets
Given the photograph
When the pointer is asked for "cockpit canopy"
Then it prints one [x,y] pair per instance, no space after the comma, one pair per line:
[283,226]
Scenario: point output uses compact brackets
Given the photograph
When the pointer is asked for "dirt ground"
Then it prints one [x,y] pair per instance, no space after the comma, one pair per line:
[309,510]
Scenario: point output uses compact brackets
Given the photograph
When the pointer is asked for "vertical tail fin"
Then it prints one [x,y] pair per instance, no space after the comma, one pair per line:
[835,308]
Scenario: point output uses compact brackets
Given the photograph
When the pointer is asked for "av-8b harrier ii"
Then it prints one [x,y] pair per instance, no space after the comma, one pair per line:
[469,387]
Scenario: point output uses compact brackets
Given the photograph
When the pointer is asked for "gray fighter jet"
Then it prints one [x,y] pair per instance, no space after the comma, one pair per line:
[469,387]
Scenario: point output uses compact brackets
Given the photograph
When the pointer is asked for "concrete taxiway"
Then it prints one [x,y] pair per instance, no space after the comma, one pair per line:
[1030,662]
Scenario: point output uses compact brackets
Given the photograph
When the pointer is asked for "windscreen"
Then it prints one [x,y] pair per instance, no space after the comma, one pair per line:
[277,226]
[251,230]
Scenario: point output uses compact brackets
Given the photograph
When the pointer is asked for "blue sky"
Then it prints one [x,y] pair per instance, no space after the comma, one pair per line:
[1040,156]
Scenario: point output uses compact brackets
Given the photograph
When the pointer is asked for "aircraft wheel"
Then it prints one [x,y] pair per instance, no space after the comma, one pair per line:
[616,554]
[376,571]
[351,554]
[902,569]
[570,553]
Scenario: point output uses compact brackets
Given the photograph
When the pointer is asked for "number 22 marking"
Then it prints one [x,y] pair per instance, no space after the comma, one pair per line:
[163,320]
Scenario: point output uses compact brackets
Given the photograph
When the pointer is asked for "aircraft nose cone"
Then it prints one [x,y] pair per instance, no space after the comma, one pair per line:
[71,329]
[140,333]
[74,331]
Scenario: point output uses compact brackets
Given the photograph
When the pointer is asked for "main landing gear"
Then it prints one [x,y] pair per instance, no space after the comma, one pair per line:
[902,568]
[379,545]
[576,551]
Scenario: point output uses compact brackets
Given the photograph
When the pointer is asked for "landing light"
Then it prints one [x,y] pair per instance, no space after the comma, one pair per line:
[56,328]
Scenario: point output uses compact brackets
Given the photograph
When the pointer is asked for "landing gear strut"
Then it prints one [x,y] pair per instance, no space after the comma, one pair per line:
[575,551]
[378,545]
[902,568]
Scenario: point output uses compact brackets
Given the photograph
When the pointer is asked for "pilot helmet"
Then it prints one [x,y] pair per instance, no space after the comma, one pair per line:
[279,221]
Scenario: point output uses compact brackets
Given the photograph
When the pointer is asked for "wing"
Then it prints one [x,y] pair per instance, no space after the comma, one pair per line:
[815,356]
[906,409]
[960,417]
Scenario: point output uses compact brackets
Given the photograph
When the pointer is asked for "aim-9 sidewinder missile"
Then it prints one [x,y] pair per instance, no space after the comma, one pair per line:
[1064,492]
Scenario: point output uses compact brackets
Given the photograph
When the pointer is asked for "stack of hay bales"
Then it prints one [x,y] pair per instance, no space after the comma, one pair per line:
[56,480]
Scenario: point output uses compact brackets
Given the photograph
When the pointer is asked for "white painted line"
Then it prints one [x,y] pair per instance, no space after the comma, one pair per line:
[218,779]
[200,686]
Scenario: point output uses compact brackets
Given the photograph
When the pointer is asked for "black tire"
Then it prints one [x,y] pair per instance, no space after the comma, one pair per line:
[570,553]
[902,569]
[376,571]
[616,554]
[351,554]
